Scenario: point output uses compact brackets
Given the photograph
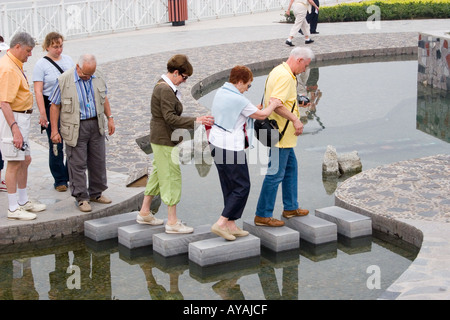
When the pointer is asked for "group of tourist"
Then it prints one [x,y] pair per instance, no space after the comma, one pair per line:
[74,109]
[73,103]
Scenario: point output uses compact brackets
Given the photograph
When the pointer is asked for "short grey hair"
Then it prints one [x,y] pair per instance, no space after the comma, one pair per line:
[22,38]
[303,53]
[86,58]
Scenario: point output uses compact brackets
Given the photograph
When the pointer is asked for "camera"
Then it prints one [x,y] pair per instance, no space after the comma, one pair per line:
[24,146]
[302,100]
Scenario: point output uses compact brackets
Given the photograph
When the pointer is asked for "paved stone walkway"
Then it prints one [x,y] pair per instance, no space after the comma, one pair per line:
[132,62]
[409,199]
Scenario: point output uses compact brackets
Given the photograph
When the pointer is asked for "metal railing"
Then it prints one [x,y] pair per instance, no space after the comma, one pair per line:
[77,18]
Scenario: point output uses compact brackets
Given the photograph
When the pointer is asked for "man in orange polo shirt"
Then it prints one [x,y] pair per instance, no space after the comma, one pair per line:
[16,102]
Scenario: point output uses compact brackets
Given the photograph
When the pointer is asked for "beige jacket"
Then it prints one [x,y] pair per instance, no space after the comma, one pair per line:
[70,106]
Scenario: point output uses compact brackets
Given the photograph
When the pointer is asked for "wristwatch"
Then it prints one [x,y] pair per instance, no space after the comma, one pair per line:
[111,117]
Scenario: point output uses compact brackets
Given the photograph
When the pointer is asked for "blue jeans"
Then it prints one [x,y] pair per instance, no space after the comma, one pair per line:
[287,173]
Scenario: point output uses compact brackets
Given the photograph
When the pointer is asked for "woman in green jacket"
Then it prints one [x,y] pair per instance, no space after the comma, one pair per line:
[165,178]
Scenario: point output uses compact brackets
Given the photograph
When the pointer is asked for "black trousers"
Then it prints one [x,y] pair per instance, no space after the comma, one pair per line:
[234,178]
[312,19]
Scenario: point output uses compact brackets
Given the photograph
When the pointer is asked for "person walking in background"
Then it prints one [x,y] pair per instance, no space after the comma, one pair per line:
[16,103]
[79,100]
[166,110]
[45,74]
[300,9]
[234,114]
[283,169]
[313,18]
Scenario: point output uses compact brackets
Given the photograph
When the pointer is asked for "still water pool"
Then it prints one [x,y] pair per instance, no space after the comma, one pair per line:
[369,107]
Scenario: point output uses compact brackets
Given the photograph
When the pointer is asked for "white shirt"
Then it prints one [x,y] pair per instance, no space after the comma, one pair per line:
[170,83]
[47,73]
[233,140]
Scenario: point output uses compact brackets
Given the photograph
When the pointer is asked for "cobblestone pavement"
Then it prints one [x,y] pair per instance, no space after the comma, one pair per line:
[414,207]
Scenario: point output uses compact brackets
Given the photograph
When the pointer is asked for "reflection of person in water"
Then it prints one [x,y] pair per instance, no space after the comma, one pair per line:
[314,95]
[16,280]
[269,283]
[159,292]
[308,87]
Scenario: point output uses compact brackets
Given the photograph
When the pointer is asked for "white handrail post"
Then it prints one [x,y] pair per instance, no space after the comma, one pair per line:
[4,16]
[62,15]
[35,31]
[113,15]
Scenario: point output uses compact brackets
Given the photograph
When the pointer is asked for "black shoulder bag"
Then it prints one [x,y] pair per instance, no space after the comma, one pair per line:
[60,70]
[54,63]
[267,130]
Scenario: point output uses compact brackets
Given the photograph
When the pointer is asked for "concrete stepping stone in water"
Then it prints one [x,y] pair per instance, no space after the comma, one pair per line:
[138,235]
[274,238]
[313,229]
[349,223]
[174,244]
[218,250]
[107,227]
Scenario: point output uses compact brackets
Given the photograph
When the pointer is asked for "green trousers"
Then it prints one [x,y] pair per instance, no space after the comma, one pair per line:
[165,178]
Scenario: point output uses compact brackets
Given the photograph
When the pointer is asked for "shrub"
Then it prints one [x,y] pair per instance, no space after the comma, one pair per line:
[389,9]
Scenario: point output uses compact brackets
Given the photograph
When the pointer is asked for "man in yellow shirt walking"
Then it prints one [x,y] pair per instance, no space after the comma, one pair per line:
[16,102]
[282,85]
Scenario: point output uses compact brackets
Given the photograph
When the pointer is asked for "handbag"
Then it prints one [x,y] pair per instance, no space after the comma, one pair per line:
[267,130]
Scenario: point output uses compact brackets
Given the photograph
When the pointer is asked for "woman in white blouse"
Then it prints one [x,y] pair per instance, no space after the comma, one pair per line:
[45,75]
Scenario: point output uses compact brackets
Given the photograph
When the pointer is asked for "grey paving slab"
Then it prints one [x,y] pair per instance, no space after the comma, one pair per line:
[138,235]
[169,245]
[218,250]
[107,227]
[313,229]
[276,239]
[349,223]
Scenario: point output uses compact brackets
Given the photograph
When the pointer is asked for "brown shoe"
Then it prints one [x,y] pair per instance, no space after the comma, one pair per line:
[101,199]
[61,188]
[268,222]
[295,213]
[84,206]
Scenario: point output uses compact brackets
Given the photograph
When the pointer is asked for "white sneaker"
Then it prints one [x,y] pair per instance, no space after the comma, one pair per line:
[178,227]
[149,219]
[33,206]
[21,214]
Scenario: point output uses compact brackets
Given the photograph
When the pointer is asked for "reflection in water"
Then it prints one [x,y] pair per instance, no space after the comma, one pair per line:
[433,113]
[307,85]
[86,273]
